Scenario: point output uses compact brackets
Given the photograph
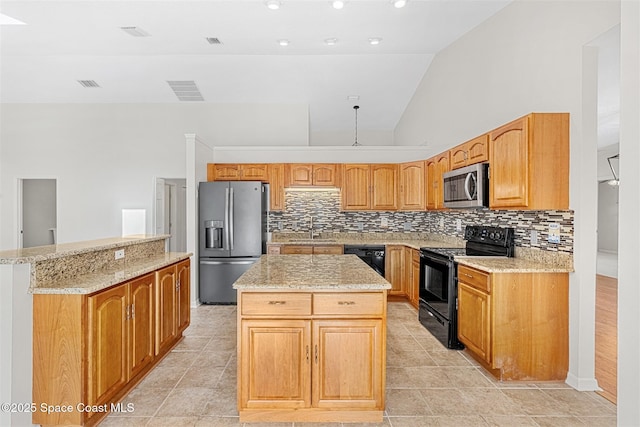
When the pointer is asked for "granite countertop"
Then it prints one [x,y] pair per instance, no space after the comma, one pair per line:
[311,272]
[511,265]
[96,281]
[43,253]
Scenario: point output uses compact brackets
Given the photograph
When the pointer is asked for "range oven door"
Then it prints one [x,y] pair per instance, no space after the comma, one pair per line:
[436,276]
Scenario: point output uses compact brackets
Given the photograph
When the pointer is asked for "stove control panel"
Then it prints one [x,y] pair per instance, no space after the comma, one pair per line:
[497,236]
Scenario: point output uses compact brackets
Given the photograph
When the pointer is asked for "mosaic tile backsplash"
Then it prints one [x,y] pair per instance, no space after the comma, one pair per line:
[324,207]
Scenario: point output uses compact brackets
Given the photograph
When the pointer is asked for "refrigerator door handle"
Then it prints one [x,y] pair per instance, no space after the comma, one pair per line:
[226,218]
[225,262]
[231,215]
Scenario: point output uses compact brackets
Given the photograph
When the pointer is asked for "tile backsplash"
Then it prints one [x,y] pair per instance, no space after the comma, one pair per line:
[324,207]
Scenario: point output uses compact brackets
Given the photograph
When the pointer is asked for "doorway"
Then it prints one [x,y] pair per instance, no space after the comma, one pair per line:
[170,212]
[37,218]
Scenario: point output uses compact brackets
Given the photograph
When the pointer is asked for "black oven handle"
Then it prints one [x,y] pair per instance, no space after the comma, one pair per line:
[434,259]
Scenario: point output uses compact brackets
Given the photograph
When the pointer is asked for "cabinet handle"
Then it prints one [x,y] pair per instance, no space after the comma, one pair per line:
[128,312]
[307,353]
[316,354]
[277,302]
[346,302]
[178,285]
[468,275]
[133,311]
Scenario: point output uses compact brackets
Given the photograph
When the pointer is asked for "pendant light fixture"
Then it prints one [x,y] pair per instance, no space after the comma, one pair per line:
[615,181]
[355,108]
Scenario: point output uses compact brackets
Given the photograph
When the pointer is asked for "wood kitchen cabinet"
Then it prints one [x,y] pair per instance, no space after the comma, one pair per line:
[470,152]
[369,187]
[529,163]
[172,304]
[92,349]
[436,167]
[309,250]
[276,186]
[394,269]
[515,324]
[237,172]
[315,357]
[412,275]
[317,174]
[412,193]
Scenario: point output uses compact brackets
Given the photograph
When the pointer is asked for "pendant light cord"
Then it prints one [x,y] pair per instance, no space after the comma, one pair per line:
[355,107]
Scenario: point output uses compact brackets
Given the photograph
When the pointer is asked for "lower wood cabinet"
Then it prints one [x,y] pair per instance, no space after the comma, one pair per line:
[515,324]
[311,357]
[412,275]
[305,249]
[90,350]
[394,268]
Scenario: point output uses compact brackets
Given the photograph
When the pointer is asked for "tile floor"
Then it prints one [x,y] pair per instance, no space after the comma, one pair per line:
[427,385]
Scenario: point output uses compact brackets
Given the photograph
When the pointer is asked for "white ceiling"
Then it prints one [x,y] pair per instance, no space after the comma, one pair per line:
[66,41]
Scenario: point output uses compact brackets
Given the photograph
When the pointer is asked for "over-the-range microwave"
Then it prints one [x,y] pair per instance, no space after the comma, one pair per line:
[467,187]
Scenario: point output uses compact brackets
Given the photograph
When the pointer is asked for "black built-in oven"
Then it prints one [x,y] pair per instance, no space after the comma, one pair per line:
[439,282]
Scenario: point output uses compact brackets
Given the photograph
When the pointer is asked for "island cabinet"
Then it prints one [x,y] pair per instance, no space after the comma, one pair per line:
[515,324]
[306,249]
[412,194]
[369,187]
[529,163]
[311,356]
[89,350]
[470,152]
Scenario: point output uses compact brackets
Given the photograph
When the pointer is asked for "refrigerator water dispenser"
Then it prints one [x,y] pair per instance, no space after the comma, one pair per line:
[213,234]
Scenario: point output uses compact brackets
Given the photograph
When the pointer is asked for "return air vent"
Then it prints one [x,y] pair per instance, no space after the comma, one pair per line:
[88,83]
[135,31]
[214,40]
[185,90]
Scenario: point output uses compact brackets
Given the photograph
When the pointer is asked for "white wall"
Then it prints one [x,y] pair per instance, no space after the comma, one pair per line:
[104,156]
[345,138]
[607,218]
[531,56]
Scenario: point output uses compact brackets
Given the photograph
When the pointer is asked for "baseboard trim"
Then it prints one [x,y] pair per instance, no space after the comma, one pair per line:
[582,384]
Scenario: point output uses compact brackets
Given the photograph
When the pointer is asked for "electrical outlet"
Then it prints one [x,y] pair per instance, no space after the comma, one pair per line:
[534,237]
[359,226]
[120,254]
[554,233]
[280,225]
[294,225]
[407,226]
[384,221]
[441,223]
[458,225]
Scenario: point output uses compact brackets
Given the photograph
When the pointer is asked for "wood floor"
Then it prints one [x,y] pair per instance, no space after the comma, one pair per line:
[607,336]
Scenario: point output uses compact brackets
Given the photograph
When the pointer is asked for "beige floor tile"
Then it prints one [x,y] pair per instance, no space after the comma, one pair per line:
[448,358]
[190,343]
[402,343]
[201,376]
[214,358]
[610,421]
[409,359]
[144,401]
[111,421]
[163,377]
[173,421]
[582,403]
[536,402]
[567,421]
[221,402]
[180,359]
[218,422]
[316,425]
[509,420]
[402,402]
[384,423]
[448,421]
[186,402]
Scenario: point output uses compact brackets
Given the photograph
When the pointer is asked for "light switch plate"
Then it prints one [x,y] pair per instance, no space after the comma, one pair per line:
[359,226]
[458,225]
[120,254]
[534,237]
[384,221]
[407,226]
[554,233]
[441,222]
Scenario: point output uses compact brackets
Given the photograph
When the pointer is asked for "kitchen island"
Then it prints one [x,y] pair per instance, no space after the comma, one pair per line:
[311,340]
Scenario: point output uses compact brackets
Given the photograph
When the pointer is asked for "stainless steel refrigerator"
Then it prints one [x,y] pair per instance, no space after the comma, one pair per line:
[232,217]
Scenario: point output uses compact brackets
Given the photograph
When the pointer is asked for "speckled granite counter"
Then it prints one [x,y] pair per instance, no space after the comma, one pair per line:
[511,265]
[98,280]
[311,272]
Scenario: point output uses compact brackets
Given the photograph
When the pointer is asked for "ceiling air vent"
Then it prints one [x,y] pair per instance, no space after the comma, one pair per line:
[214,40]
[88,83]
[185,90]
[135,31]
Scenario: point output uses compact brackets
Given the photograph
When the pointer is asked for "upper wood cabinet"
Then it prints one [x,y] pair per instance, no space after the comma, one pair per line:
[276,186]
[471,152]
[237,171]
[412,193]
[369,186]
[529,163]
[436,167]
[320,174]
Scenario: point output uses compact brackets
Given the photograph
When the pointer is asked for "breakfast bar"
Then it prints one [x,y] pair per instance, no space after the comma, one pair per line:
[311,340]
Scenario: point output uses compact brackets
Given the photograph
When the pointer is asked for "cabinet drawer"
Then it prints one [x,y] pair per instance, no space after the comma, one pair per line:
[328,250]
[348,303]
[476,278]
[281,304]
[296,250]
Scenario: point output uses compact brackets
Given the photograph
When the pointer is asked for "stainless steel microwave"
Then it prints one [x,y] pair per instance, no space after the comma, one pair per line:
[467,187]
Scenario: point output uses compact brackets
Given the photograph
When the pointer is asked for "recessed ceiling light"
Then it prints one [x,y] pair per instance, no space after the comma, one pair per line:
[375,40]
[283,42]
[331,41]
[399,3]
[338,4]
[273,4]
[135,31]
